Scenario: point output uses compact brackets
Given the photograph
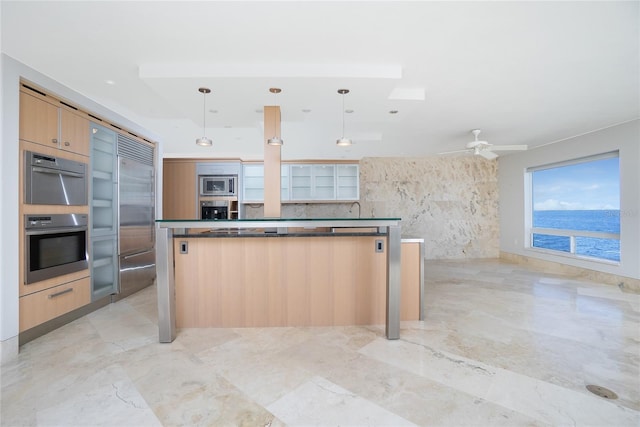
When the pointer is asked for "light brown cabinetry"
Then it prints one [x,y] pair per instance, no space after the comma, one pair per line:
[279,281]
[74,133]
[52,124]
[48,304]
[179,189]
[410,261]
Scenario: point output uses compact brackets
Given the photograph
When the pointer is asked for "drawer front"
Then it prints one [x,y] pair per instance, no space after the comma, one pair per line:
[42,306]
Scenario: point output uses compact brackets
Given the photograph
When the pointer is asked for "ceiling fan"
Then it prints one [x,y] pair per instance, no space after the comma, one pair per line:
[484,149]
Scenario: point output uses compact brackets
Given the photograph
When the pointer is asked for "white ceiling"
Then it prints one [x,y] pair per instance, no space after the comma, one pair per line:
[524,72]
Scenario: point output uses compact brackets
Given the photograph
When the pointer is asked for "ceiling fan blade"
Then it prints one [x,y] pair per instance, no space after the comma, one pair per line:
[489,155]
[508,147]
[453,152]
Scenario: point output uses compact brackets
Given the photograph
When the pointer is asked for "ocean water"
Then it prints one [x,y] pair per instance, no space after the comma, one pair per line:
[607,221]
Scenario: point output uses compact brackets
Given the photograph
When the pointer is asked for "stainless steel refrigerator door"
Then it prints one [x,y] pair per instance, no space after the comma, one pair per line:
[137,271]
[137,199]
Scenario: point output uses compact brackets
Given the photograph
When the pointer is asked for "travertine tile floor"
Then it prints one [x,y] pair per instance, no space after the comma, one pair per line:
[501,345]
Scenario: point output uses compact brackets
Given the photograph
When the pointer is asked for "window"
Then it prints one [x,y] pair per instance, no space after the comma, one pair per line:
[576,207]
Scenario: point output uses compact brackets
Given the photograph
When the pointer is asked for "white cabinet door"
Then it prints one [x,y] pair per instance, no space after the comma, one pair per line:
[253,183]
[324,182]
[301,184]
[348,182]
[284,183]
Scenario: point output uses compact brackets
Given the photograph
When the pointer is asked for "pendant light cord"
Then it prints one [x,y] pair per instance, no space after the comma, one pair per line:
[343,115]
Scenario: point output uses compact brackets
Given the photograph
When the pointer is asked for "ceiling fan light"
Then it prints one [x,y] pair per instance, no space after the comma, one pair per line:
[204,142]
[275,141]
[343,142]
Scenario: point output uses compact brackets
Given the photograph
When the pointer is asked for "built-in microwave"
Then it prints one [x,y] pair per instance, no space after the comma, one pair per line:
[218,185]
[54,181]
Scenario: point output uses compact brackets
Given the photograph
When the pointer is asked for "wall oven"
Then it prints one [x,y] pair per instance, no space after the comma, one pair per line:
[221,185]
[54,181]
[214,209]
[54,245]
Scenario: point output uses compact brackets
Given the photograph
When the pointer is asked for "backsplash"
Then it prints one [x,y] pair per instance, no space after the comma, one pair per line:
[451,202]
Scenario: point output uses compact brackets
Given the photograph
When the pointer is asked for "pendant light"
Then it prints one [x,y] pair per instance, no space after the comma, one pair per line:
[204,141]
[275,140]
[342,141]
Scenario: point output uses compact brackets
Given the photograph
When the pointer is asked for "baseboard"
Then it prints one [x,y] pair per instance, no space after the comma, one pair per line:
[627,284]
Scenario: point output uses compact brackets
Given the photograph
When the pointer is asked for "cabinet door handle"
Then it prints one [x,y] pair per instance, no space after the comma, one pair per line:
[57,294]
[54,140]
[67,143]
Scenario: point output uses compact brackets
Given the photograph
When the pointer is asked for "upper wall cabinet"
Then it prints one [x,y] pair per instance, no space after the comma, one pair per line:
[253,183]
[321,182]
[53,125]
[347,182]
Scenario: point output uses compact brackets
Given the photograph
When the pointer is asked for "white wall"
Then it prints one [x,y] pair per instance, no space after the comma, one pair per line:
[11,72]
[511,179]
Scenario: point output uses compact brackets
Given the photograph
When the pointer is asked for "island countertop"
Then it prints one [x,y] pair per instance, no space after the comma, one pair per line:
[276,223]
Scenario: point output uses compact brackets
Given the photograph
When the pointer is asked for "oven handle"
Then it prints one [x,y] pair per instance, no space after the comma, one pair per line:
[39,231]
[57,172]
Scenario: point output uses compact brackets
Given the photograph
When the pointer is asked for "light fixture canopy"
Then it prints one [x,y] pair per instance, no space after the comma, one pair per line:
[204,141]
[275,140]
[342,141]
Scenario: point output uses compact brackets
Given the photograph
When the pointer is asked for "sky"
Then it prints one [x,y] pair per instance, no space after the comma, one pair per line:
[585,186]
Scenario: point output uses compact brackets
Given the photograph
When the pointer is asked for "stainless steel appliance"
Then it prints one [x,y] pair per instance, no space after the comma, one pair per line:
[218,185]
[54,181]
[136,234]
[214,209]
[54,245]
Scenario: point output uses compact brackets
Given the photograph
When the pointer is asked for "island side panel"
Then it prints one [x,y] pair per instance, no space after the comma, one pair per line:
[411,282]
[280,281]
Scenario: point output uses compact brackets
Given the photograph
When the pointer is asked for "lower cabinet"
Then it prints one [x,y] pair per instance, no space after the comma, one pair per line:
[45,305]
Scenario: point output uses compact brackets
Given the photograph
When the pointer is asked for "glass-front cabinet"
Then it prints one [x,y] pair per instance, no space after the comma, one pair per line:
[253,183]
[308,182]
[103,199]
[347,182]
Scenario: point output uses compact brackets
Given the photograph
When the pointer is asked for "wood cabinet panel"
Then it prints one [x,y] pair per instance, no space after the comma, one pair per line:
[280,281]
[50,125]
[410,272]
[38,121]
[74,133]
[42,306]
[179,190]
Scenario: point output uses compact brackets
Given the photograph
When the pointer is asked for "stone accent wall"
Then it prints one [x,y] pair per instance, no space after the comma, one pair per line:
[451,202]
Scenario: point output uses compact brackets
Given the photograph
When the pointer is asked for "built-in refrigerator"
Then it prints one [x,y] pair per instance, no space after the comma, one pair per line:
[136,216]
[122,200]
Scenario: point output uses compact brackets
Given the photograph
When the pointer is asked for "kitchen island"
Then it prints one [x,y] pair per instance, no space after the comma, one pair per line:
[278,272]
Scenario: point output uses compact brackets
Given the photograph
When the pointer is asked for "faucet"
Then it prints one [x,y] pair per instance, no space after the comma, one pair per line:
[351,207]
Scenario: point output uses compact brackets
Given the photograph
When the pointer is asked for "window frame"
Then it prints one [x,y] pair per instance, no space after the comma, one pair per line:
[529,230]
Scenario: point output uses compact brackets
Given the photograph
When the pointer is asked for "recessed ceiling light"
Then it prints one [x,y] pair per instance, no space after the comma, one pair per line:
[110,82]
[213,111]
[393,112]
[348,111]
